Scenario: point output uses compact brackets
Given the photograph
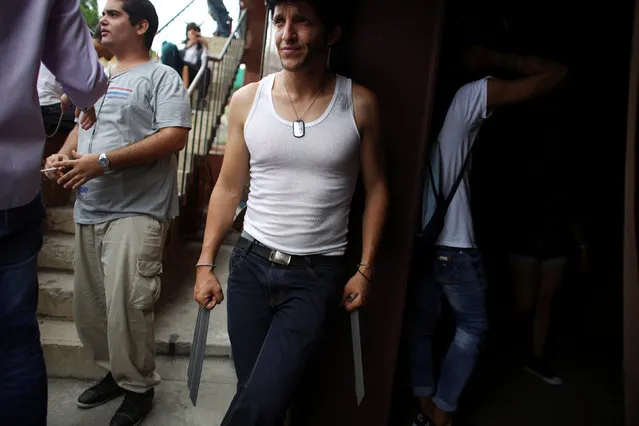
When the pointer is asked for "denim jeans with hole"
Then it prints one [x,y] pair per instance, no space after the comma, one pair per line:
[23,379]
[458,275]
[277,318]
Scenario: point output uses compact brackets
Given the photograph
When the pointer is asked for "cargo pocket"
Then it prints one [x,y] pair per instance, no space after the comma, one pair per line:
[147,285]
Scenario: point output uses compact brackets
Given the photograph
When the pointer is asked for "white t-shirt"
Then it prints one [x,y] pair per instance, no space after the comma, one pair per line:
[192,55]
[49,90]
[465,115]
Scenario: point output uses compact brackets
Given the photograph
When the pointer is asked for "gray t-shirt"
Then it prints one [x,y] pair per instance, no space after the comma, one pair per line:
[138,103]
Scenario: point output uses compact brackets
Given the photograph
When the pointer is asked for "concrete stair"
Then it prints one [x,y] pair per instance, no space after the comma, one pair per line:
[55,294]
[175,313]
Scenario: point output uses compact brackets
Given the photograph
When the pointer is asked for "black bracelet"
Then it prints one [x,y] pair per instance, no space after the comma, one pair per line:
[364,275]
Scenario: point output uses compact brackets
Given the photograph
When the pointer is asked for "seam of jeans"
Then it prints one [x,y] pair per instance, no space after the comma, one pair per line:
[240,397]
[239,263]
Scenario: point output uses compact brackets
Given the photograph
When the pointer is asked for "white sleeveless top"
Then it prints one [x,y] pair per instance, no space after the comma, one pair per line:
[301,188]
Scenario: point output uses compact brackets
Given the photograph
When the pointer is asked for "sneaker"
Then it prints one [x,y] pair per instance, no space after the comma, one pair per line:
[100,394]
[134,408]
[422,420]
[538,367]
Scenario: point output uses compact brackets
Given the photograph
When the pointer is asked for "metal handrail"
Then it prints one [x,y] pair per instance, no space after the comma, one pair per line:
[230,38]
[209,92]
[173,19]
[218,58]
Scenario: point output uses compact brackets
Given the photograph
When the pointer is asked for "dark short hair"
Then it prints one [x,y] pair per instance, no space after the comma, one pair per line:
[193,26]
[328,11]
[142,10]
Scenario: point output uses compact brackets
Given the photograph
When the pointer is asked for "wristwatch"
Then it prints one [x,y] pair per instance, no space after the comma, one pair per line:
[104,162]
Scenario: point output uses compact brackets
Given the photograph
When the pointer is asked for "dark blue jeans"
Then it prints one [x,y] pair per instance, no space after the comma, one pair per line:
[277,318]
[23,379]
[221,16]
[459,275]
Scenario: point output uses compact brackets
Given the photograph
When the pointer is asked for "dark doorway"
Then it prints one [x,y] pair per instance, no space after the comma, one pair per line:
[586,122]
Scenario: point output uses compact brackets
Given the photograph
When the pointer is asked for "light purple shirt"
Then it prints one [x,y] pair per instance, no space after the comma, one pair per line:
[30,31]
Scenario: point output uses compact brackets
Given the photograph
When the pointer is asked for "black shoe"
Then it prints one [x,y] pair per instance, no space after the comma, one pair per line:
[422,420]
[540,368]
[134,408]
[100,394]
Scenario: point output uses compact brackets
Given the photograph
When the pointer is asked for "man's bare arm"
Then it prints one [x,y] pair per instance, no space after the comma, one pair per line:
[539,76]
[71,143]
[159,145]
[373,173]
[84,167]
[229,187]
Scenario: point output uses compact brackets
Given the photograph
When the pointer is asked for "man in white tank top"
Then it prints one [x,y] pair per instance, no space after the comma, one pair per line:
[303,134]
[457,270]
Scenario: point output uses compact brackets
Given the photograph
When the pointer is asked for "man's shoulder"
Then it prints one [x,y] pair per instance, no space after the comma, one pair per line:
[364,98]
[159,71]
[244,96]
[472,88]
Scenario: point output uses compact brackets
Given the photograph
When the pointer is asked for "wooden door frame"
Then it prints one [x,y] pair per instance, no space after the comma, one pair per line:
[631,260]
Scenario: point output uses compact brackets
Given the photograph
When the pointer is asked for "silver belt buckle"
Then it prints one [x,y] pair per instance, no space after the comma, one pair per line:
[279,258]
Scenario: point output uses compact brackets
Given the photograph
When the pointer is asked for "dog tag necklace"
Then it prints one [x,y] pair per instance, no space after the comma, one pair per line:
[299,127]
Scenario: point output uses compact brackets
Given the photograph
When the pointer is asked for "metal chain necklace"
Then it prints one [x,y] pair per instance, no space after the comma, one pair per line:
[299,127]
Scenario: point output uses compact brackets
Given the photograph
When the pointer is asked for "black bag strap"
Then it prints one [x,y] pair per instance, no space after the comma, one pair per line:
[439,197]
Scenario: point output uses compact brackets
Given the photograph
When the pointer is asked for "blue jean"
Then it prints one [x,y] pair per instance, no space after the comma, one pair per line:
[277,318]
[23,379]
[459,275]
[220,15]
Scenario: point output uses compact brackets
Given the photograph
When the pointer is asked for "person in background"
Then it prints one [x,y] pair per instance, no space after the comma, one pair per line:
[56,116]
[56,35]
[220,15]
[544,228]
[58,113]
[456,270]
[187,62]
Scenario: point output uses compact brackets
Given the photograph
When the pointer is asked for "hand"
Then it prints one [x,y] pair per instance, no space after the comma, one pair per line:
[65,103]
[207,291]
[88,118]
[84,167]
[49,163]
[355,292]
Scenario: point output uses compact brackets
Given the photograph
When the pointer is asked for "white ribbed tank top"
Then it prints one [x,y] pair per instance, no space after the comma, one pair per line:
[301,189]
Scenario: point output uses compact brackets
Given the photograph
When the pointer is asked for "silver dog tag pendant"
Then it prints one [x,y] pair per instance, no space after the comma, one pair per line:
[299,129]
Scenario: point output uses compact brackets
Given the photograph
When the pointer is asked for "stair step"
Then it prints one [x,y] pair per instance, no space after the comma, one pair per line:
[57,251]
[55,294]
[60,219]
[66,357]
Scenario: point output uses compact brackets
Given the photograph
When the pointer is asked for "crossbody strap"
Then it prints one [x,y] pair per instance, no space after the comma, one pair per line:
[439,197]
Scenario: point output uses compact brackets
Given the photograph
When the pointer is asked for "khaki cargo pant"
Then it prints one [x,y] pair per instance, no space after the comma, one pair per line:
[118,267]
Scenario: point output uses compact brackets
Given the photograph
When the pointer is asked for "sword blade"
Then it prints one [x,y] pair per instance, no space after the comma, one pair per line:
[198,348]
[357,357]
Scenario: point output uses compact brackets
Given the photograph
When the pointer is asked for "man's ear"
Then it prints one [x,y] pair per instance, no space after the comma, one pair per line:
[334,36]
[142,27]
